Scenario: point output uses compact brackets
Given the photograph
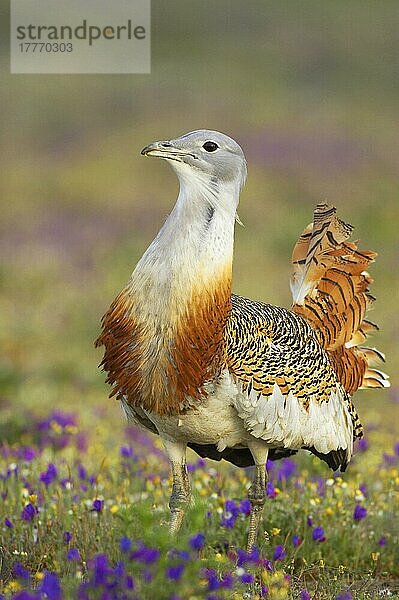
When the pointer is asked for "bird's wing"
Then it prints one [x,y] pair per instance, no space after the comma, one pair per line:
[329,286]
[289,394]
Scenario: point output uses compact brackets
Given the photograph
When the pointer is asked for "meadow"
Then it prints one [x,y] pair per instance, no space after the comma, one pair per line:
[85,517]
[310,90]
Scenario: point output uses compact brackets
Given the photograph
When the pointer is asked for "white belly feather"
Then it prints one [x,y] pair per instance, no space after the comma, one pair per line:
[230,418]
[214,421]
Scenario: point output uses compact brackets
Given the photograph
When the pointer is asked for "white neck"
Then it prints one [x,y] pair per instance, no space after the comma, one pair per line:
[194,245]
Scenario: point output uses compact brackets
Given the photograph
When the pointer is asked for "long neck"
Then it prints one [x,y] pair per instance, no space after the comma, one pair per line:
[191,255]
[166,329]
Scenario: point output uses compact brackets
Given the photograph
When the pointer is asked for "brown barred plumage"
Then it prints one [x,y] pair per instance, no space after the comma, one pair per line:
[330,288]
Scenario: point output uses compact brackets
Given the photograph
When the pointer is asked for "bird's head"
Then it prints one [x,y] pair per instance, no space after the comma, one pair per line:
[209,157]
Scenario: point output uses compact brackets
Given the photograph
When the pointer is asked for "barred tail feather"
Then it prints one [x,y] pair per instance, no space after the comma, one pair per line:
[330,289]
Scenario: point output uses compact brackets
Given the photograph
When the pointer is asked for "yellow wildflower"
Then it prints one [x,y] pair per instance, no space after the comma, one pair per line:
[13,586]
[375,556]
[56,427]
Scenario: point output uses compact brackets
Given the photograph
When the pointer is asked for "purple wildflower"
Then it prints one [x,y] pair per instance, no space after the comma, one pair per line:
[63,418]
[296,540]
[304,595]
[20,572]
[8,523]
[73,555]
[119,570]
[26,453]
[279,553]
[227,581]
[97,505]
[247,578]
[179,554]
[244,507]
[125,544]
[318,534]
[212,578]
[382,541]
[149,555]
[197,541]
[230,514]
[213,581]
[50,586]
[268,565]
[359,513]
[58,438]
[126,452]
[99,566]
[64,482]
[200,464]
[270,490]
[286,470]
[81,442]
[129,582]
[362,444]
[82,473]
[49,476]
[28,512]
[344,596]
[144,554]
[244,557]
[67,537]
[175,572]
[230,506]
[389,459]
[321,486]
[23,595]
[309,521]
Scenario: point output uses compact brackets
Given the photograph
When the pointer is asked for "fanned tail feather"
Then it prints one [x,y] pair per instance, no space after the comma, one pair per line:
[329,286]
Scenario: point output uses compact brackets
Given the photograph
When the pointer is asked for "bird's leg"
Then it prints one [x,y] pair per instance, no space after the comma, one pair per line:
[181,491]
[257,490]
[186,480]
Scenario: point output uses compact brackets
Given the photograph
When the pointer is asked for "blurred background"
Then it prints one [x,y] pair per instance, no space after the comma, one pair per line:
[309,89]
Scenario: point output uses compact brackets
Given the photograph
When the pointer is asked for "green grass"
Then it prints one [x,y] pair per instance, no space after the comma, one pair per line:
[134,491]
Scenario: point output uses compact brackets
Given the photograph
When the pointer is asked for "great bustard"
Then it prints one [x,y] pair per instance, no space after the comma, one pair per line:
[227,376]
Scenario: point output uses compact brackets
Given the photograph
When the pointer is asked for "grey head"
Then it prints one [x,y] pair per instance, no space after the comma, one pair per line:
[204,155]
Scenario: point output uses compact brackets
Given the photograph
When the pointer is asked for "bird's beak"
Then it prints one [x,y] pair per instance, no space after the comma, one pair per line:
[153,149]
[158,149]
[164,149]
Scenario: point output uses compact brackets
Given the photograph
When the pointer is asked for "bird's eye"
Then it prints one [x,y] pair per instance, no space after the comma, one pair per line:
[210,146]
